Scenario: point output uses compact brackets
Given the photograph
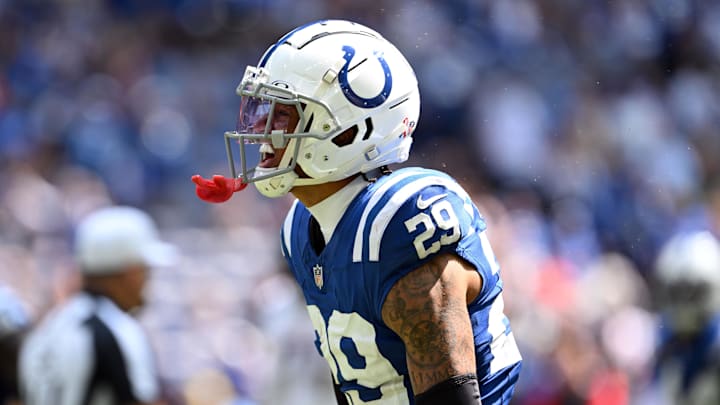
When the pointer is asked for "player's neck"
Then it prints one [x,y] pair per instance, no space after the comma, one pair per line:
[311,195]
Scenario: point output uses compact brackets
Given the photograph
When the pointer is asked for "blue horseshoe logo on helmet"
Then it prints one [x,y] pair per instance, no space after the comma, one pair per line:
[348,91]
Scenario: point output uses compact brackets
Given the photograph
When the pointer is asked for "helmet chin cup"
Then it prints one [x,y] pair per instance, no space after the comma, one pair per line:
[275,186]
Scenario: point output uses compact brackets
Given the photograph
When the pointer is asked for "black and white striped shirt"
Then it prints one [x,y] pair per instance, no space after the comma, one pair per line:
[87,352]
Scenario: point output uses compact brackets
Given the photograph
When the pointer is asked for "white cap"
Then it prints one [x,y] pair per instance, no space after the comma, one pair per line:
[110,238]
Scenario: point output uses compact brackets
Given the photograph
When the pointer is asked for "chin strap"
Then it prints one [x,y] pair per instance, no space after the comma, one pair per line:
[217,190]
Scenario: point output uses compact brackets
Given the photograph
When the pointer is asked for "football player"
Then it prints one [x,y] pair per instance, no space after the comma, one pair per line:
[400,280]
[688,358]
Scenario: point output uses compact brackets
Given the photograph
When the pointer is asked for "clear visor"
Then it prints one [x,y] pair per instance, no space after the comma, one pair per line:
[265,125]
[263,116]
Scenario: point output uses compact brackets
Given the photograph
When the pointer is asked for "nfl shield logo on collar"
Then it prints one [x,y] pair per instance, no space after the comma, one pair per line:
[318,275]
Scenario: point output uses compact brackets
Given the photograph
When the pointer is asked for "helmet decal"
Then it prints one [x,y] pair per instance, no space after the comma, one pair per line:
[348,91]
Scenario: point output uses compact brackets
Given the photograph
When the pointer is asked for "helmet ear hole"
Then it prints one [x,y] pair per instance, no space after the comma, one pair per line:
[346,137]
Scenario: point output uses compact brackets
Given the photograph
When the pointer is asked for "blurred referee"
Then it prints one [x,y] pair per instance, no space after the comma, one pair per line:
[14,323]
[90,350]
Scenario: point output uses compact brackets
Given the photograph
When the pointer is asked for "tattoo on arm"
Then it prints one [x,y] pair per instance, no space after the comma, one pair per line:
[427,308]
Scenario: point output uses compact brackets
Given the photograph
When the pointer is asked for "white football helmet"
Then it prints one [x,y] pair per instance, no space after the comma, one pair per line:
[341,78]
[688,271]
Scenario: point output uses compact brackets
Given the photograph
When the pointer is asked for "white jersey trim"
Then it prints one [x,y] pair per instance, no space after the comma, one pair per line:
[488,251]
[287,228]
[503,346]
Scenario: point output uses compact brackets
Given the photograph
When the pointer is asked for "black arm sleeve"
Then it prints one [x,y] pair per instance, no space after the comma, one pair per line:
[457,390]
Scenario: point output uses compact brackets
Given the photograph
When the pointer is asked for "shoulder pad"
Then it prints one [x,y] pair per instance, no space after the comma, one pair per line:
[410,193]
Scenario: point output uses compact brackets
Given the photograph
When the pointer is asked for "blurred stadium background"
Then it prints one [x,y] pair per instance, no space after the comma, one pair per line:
[586,130]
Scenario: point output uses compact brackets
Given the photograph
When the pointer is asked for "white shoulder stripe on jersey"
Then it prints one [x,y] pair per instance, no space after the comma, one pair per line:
[358,245]
[287,227]
[382,220]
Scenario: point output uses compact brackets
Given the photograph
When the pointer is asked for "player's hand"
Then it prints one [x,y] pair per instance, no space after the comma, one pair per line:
[217,190]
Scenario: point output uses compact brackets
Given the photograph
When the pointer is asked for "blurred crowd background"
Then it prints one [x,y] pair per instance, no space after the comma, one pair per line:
[586,130]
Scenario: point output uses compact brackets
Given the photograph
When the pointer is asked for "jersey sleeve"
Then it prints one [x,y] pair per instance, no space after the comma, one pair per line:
[419,222]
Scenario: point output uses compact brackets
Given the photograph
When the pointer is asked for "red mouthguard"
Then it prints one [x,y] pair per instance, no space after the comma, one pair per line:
[217,190]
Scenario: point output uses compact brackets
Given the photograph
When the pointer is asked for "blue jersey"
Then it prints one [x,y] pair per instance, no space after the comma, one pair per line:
[390,228]
[688,371]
